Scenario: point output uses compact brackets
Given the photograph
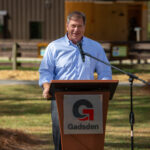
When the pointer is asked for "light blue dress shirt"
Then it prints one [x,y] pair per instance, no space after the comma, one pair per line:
[62,61]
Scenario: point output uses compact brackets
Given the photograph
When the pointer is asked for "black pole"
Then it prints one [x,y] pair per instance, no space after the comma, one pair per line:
[131,79]
[131,116]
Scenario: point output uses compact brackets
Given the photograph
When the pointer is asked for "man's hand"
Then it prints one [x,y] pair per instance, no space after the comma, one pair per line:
[46,87]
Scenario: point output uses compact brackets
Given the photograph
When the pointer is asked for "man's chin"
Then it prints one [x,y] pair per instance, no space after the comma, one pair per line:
[76,39]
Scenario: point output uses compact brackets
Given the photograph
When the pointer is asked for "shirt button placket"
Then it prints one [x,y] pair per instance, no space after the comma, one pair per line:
[78,63]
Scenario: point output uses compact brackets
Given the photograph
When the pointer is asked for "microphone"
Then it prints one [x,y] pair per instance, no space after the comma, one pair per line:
[79,45]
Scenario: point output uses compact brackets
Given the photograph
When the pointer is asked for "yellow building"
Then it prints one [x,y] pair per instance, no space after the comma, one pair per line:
[112,20]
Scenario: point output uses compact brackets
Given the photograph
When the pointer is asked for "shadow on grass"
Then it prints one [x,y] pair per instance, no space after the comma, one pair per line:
[11,108]
[119,107]
[141,115]
[18,98]
[46,142]
[124,142]
[20,91]
[19,140]
[118,146]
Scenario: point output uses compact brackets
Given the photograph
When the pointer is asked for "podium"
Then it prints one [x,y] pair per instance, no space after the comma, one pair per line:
[82,108]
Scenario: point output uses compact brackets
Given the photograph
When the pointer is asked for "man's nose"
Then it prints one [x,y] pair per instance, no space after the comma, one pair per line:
[76,28]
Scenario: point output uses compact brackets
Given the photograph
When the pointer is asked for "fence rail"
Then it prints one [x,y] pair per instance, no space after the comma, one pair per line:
[27,52]
[136,51]
[23,54]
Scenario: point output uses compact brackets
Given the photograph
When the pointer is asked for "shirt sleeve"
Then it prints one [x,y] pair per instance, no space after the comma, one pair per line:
[104,71]
[46,70]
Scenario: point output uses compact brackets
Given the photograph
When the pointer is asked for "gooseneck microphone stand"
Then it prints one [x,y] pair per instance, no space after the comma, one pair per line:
[131,79]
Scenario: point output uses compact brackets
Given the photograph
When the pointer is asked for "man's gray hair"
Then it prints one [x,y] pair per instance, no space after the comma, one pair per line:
[76,15]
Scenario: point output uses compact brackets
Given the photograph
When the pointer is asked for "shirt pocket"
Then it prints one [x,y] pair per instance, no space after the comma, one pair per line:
[63,64]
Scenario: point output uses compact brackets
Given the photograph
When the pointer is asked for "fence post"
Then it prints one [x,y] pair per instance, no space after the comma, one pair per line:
[14,56]
[137,30]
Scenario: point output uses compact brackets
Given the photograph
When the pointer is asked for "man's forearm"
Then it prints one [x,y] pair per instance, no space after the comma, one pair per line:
[46,87]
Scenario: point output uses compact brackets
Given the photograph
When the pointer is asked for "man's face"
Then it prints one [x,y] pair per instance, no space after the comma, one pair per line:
[75,29]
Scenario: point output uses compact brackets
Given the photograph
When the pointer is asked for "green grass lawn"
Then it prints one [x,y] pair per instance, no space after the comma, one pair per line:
[22,107]
[118,127]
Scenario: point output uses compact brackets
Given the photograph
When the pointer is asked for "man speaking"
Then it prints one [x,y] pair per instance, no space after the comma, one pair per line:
[64,60]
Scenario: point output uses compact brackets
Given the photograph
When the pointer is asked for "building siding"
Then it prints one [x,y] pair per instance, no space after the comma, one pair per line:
[21,12]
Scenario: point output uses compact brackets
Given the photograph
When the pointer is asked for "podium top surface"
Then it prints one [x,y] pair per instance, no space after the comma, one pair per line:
[84,85]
